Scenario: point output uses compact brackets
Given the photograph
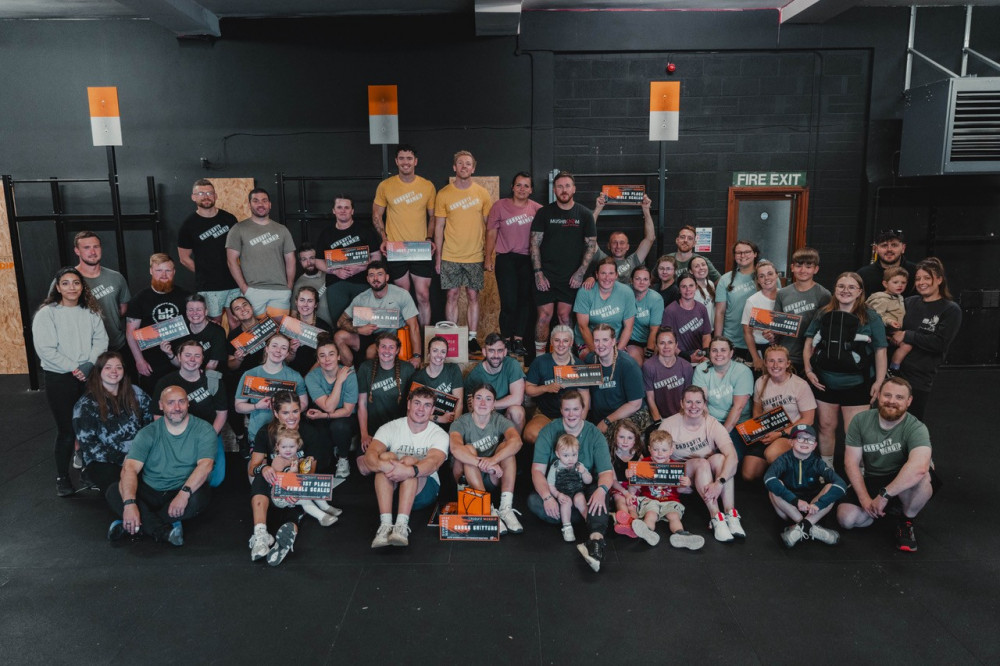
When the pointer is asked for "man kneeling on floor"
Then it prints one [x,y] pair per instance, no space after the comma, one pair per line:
[896,450]
[405,454]
[174,457]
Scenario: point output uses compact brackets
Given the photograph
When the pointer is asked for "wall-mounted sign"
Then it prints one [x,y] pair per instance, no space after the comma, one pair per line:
[769,178]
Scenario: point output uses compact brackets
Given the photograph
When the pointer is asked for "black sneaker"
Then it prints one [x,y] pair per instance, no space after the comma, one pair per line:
[474,348]
[116,531]
[509,343]
[64,487]
[519,348]
[244,446]
[593,552]
[905,538]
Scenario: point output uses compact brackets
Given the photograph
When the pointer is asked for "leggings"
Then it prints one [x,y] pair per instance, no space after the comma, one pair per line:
[62,390]
[515,284]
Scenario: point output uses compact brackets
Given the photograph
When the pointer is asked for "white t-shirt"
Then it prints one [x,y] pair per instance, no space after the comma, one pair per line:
[399,439]
[761,302]
[697,442]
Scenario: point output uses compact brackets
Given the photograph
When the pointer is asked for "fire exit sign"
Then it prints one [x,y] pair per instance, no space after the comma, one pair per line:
[769,178]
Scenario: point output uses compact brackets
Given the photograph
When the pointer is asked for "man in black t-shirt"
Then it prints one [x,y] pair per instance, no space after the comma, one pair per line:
[563,243]
[343,284]
[890,250]
[201,247]
[158,302]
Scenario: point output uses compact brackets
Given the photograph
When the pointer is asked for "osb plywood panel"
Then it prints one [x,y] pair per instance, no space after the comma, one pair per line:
[233,195]
[13,360]
[489,297]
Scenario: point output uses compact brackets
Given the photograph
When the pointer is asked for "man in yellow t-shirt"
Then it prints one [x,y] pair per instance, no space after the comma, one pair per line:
[403,210]
[461,210]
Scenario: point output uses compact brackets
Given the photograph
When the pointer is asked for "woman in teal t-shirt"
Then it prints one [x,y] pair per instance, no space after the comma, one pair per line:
[731,294]
[728,385]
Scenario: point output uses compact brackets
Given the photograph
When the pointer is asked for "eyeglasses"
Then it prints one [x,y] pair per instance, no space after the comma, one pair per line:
[203,194]
[740,253]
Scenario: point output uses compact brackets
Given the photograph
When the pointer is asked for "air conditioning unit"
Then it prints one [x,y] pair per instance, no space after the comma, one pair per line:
[952,127]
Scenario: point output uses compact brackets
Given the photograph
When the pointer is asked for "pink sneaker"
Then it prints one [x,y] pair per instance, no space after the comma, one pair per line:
[623,525]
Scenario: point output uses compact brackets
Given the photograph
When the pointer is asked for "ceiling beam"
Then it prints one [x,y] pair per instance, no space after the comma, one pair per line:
[182,17]
[814,11]
[498,17]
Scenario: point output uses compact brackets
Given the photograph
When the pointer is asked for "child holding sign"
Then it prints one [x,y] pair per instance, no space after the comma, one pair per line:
[660,502]
[626,447]
[567,476]
[803,488]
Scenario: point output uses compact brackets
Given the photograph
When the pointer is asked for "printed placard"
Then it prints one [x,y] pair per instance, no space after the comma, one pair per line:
[703,239]
[291,486]
[783,323]
[588,374]
[265,387]
[753,429]
[381,317]
[624,195]
[449,509]
[408,251]
[469,528]
[648,473]
[161,331]
[299,330]
[254,340]
[444,403]
[347,256]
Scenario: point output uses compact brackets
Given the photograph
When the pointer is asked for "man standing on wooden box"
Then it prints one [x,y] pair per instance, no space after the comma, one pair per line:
[563,243]
[201,247]
[158,302]
[261,257]
[108,287]
[403,210]
[405,455]
[461,211]
[343,284]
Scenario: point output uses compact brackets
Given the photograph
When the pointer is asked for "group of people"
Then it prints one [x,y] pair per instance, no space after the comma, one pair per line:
[682,358]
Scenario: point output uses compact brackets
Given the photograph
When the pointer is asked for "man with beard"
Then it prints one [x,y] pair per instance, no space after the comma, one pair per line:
[351,339]
[563,243]
[108,287]
[261,257]
[403,210]
[343,284]
[505,375]
[174,456]
[312,276]
[201,248]
[890,248]
[158,302]
[685,253]
[618,245]
[895,448]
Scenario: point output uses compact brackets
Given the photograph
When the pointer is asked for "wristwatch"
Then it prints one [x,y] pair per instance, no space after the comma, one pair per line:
[416,471]
[127,502]
[187,489]
[883,493]
[607,421]
[721,480]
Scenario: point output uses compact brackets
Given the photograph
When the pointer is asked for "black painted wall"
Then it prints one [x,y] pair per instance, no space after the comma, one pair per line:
[569,92]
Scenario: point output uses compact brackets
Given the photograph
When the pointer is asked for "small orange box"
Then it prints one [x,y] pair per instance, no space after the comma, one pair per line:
[472,502]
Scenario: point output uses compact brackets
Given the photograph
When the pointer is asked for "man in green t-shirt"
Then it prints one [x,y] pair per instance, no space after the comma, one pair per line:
[505,375]
[174,456]
[895,448]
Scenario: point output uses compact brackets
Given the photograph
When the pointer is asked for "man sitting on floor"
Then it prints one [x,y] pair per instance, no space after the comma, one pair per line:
[175,456]
[895,448]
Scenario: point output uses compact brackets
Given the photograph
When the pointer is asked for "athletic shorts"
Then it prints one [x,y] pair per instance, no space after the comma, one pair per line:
[422,269]
[427,495]
[647,504]
[455,275]
[855,396]
[557,293]
[269,301]
[217,301]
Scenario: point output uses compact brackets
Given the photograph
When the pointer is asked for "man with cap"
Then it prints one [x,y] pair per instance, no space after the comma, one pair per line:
[889,247]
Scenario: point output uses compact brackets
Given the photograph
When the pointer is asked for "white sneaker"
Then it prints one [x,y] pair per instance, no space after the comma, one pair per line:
[381,539]
[500,523]
[260,543]
[400,535]
[326,519]
[719,527]
[823,535]
[644,532]
[568,535]
[734,524]
[332,510]
[509,518]
[343,469]
[792,534]
[685,539]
